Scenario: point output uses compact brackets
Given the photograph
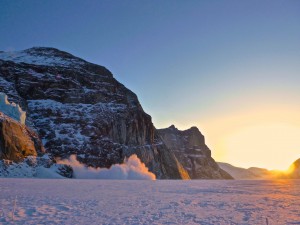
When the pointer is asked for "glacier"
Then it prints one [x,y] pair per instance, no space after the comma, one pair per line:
[11,109]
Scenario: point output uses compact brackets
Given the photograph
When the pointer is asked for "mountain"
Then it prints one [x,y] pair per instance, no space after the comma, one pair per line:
[259,173]
[77,107]
[191,151]
[246,174]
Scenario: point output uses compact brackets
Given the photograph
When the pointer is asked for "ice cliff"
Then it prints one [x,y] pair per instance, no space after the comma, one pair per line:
[11,109]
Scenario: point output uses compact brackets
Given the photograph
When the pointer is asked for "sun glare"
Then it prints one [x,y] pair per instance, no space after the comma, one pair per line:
[266,139]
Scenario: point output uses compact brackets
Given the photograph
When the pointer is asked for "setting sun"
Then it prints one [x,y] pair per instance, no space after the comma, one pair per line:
[263,138]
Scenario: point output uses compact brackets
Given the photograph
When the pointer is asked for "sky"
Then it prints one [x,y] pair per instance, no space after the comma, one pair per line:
[231,68]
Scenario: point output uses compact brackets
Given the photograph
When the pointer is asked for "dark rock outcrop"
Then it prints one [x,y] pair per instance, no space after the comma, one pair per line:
[191,151]
[79,108]
[294,170]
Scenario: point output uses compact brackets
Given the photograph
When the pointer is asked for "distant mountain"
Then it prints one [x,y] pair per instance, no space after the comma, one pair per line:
[191,151]
[242,173]
[260,173]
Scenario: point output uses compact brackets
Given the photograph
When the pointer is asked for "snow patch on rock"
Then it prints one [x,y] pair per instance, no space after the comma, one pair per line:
[12,109]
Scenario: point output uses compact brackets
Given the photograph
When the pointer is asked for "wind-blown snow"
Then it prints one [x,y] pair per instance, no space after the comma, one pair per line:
[131,169]
[107,202]
[11,109]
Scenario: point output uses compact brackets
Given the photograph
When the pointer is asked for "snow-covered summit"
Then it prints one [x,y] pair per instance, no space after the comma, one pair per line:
[42,56]
[11,109]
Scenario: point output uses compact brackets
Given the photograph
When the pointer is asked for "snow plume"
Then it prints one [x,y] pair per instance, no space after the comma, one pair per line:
[131,169]
[11,109]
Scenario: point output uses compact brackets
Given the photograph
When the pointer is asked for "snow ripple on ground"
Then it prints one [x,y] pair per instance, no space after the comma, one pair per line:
[42,201]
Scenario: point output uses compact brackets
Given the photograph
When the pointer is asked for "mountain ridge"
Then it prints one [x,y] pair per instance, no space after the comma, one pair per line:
[79,108]
[240,173]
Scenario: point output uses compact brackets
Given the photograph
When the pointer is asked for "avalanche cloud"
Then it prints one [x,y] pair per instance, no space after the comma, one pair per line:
[131,169]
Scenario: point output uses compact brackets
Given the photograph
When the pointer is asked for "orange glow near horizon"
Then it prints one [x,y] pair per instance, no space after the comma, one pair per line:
[255,138]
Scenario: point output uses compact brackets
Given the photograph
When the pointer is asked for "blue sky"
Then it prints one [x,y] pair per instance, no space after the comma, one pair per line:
[189,62]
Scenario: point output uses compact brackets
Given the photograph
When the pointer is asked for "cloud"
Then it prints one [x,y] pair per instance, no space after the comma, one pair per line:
[131,169]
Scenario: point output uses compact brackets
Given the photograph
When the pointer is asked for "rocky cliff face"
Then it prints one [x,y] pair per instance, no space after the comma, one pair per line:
[21,151]
[17,141]
[191,151]
[79,108]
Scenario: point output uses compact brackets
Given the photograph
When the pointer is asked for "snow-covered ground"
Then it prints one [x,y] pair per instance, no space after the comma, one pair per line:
[68,201]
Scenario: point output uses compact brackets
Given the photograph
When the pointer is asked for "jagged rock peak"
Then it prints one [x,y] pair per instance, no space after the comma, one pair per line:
[194,135]
[172,127]
[194,128]
[191,151]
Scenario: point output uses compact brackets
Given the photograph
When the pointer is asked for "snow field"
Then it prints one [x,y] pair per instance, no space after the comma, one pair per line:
[68,201]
